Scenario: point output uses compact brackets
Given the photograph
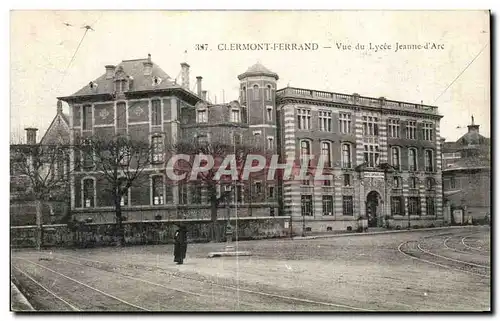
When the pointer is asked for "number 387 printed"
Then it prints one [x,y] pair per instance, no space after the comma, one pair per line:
[203,46]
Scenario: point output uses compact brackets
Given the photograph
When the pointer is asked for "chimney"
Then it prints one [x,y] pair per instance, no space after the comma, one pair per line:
[148,66]
[198,85]
[59,106]
[472,127]
[185,75]
[110,71]
[204,95]
[31,135]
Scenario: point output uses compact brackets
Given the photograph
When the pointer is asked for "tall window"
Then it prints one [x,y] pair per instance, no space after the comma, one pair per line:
[120,86]
[347,180]
[412,182]
[370,126]
[393,128]
[325,121]
[304,119]
[427,131]
[430,183]
[255,92]
[371,155]
[239,193]
[429,164]
[87,117]
[346,156]
[158,190]
[202,116]
[269,110]
[87,154]
[268,92]
[453,183]
[347,208]
[396,182]
[270,142]
[327,205]
[244,93]
[258,187]
[60,165]
[396,156]
[430,207]
[345,123]
[305,150]
[121,185]
[326,153]
[235,115]
[306,205]
[412,159]
[124,155]
[411,130]
[270,191]
[414,205]
[396,205]
[237,139]
[157,148]
[88,192]
[196,191]
[183,193]
[156,112]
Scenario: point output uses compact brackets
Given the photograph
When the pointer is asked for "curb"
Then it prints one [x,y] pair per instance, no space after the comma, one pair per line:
[222,254]
[17,298]
[381,232]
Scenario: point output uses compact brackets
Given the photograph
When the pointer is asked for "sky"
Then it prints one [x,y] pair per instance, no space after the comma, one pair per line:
[42,47]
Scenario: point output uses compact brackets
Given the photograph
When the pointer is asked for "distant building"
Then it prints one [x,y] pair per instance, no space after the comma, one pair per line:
[467,173]
[56,208]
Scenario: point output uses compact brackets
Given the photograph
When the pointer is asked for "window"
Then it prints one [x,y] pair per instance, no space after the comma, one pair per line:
[270,191]
[326,153]
[156,112]
[121,118]
[345,123]
[412,182]
[244,93]
[327,182]
[396,205]
[306,182]
[202,138]
[371,155]
[196,191]
[347,208]
[255,92]
[327,205]
[306,205]
[270,142]
[268,92]
[157,148]
[87,154]
[239,193]
[414,205]
[237,139]
[325,121]
[412,159]
[396,182]
[370,126]
[88,192]
[87,117]
[396,157]
[411,130]
[393,128]
[430,207]
[305,150]
[269,113]
[60,165]
[120,86]
[453,183]
[235,115]
[124,155]
[427,131]
[183,193]
[347,180]
[304,119]
[346,156]
[429,164]
[430,183]
[258,187]
[122,181]
[202,116]
[158,190]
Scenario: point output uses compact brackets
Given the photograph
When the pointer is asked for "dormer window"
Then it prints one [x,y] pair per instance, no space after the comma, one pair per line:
[93,85]
[120,85]
[156,80]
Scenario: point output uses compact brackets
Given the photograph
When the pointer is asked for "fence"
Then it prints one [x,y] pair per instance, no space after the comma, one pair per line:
[147,232]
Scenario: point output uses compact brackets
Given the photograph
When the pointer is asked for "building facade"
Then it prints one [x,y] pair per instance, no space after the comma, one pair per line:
[467,174]
[383,156]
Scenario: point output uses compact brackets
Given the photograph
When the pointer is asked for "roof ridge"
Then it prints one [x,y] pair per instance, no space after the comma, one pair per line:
[127,60]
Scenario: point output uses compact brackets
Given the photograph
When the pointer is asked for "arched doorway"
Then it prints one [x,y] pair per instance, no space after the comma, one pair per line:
[372,204]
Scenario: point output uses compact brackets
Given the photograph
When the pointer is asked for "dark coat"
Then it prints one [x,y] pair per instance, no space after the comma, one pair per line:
[180,245]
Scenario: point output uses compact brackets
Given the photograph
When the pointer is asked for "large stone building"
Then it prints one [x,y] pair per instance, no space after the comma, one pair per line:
[360,136]
[467,174]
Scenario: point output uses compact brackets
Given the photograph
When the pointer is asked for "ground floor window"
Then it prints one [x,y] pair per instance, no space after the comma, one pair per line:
[414,205]
[327,205]
[196,193]
[347,208]
[306,205]
[396,205]
[430,206]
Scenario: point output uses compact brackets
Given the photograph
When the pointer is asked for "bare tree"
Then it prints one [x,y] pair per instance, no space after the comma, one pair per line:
[120,162]
[42,171]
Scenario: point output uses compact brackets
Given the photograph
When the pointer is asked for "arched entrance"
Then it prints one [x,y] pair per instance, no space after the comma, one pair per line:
[372,211]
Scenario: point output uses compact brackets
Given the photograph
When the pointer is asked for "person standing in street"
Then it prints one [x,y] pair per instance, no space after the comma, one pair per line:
[180,244]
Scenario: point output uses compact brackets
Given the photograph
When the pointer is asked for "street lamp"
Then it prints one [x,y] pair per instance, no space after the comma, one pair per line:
[229,230]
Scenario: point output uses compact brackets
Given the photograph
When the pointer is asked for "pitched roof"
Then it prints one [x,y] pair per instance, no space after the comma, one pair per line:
[55,130]
[134,70]
[258,69]
[469,163]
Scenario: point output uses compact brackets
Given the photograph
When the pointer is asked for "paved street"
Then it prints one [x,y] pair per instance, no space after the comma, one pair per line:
[439,270]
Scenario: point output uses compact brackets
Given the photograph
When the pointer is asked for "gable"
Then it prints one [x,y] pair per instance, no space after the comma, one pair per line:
[58,132]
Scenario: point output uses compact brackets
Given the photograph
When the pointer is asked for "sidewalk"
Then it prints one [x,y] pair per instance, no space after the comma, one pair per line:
[379,232]
[18,302]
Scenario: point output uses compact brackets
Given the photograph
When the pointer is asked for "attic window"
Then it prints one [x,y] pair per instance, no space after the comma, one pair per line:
[156,81]
[92,85]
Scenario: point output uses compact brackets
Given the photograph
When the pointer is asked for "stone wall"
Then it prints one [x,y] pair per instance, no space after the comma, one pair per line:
[147,232]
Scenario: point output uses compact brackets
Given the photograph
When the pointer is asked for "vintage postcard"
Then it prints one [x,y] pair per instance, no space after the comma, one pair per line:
[250,161]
